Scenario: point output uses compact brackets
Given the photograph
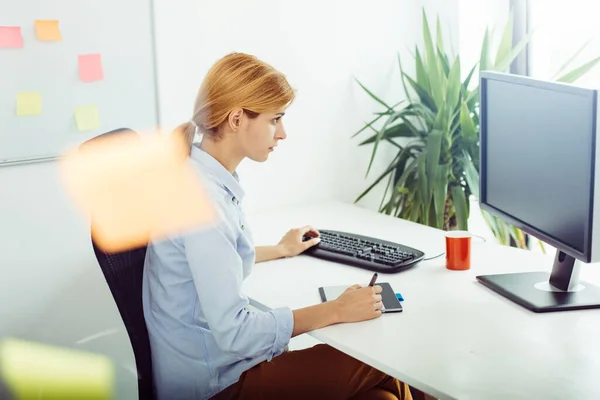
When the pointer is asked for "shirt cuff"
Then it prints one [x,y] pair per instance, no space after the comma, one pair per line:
[284,319]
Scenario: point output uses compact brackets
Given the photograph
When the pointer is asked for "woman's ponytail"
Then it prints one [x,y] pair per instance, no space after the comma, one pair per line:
[187,132]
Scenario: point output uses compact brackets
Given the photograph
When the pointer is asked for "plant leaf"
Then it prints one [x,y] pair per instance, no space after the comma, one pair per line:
[406,92]
[398,130]
[422,78]
[424,96]
[424,112]
[579,71]
[466,122]
[471,174]
[409,169]
[505,46]
[433,151]
[440,192]
[467,82]
[415,208]
[411,126]
[379,179]
[441,119]
[484,58]
[388,139]
[503,64]
[401,165]
[444,63]
[368,125]
[387,188]
[439,38]
[518,236]
[382,131]
[432,63]
[570,60]
[423,185]
[472,98]
[377,99]
[454,85]
[460,207]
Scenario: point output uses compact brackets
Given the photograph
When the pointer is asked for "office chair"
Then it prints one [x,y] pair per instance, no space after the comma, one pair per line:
[5,394]
[123,272]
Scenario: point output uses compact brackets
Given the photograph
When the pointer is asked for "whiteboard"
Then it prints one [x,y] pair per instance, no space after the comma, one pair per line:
[121,31]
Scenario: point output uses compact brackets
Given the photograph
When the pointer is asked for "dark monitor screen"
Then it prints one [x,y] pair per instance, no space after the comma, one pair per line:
[537,158]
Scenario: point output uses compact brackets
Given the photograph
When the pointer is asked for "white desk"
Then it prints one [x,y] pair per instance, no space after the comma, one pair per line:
[455,338]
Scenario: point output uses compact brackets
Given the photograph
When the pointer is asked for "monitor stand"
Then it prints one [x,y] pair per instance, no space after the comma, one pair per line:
[543,292]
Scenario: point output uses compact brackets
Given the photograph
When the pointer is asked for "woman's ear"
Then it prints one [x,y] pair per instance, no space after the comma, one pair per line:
[235,119]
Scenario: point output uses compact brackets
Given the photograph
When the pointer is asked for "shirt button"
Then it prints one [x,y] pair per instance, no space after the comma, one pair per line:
[243,227]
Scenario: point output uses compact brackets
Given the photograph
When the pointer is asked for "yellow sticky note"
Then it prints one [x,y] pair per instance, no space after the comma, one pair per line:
[39,371]
[47,30]
[29,103]
[87,118]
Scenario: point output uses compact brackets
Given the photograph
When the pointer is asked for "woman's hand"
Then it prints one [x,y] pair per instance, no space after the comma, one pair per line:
[354,305]
[359,303]
[292,245]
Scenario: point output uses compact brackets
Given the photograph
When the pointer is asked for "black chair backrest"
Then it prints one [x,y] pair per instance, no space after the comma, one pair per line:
[4,393]
[123,272]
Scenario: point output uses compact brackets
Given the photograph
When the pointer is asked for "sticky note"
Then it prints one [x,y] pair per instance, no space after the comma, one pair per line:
[29,103]
[90,67]
[87,118]
[10,37]
[159,190]
[47,30]
[39,371]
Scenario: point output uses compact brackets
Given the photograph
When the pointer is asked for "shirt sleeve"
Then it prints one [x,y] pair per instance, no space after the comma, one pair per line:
[217,271]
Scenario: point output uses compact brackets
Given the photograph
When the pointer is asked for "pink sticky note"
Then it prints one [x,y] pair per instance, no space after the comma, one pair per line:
[10,37]
[90,67]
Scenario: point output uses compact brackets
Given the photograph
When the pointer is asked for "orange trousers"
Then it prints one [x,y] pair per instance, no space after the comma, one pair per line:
[320,372]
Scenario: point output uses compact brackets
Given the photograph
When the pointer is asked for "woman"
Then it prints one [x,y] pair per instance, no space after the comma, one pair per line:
[205,341]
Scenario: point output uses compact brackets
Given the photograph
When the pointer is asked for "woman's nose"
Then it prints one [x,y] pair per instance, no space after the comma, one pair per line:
[280,134]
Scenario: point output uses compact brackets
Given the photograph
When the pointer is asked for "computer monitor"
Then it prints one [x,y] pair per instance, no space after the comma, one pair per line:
[538,150]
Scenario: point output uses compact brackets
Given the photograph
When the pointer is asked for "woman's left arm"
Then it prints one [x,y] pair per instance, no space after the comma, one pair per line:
[290,245]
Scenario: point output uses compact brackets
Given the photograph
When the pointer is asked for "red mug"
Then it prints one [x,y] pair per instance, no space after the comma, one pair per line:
[458,250]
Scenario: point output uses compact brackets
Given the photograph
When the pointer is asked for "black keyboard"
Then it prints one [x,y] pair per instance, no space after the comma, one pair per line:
[364,252]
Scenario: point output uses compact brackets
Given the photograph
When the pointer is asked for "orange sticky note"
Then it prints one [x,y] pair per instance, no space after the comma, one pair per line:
[136,187]
[90,67]
[48,30]
[10,37]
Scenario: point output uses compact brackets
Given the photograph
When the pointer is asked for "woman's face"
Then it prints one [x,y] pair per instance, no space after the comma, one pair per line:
[259,136]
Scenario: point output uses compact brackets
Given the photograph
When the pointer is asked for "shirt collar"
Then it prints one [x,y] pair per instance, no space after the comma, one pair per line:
[213,167]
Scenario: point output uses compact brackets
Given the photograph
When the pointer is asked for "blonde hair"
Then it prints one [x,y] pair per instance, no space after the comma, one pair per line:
[237,80]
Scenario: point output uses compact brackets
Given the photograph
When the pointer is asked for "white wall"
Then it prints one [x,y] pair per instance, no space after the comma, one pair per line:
[51,289]
[320,46]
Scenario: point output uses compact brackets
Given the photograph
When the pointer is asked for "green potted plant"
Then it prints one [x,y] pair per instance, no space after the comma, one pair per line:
[436,133]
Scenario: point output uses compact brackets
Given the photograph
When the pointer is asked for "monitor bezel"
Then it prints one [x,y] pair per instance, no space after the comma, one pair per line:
[485,76]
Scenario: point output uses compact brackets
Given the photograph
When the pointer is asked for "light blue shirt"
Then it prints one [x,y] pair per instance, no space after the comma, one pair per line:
[202,334]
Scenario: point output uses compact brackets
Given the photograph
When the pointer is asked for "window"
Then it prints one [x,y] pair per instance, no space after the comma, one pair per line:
[561,28]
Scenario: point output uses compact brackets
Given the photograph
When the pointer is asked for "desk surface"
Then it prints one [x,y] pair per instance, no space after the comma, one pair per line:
[455,338]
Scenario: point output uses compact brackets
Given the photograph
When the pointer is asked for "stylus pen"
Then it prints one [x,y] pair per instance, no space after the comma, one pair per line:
[373,279]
